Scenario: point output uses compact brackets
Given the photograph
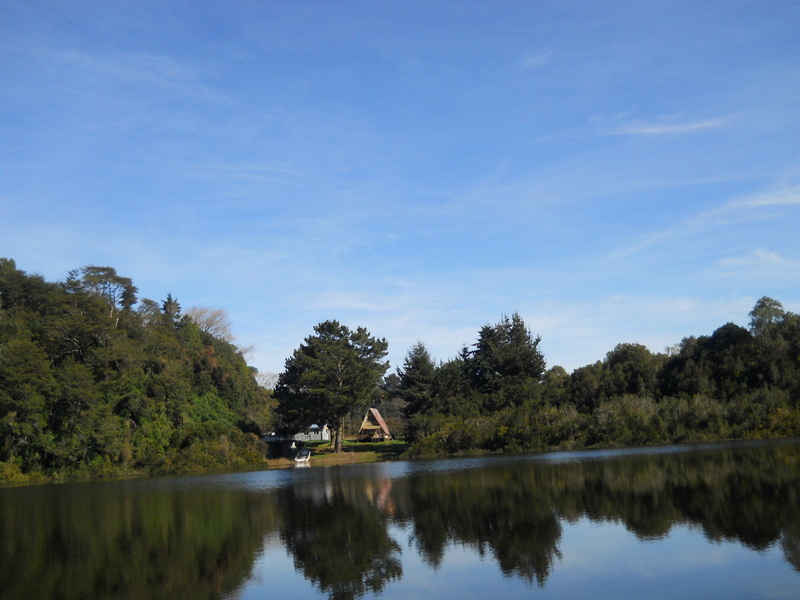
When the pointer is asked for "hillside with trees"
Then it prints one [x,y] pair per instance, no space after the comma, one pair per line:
[94,381]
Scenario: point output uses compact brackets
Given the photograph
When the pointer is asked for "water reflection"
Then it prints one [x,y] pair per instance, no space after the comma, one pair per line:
[501,512]
[337,538]
[201,537]
[127,541]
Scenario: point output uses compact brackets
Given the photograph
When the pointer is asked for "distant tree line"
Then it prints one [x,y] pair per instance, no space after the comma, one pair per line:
[94,381]
[498,396]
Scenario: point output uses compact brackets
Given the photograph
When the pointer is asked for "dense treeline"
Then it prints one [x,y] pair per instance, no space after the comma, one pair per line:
[498,396]
[94,382]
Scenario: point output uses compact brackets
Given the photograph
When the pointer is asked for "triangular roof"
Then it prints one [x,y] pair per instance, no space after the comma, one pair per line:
[374,419]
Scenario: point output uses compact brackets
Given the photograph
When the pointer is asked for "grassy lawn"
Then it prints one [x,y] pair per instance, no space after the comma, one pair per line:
[352,451]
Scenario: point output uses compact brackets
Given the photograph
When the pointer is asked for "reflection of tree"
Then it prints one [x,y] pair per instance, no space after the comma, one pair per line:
[744,493]
[430,524]
[128,541]
[741,504]
[148,540]
[339,541]
[511,510]
[525,544]
[494,512]
[790,542]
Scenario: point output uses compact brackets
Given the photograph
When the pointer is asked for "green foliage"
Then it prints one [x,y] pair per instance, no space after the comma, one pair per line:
[694,419]
[91,385]
[766,317]
[94,381]
[119,292]
[333,372]
[630,369]
[734,384]
[448,435]
[506,365]
[453,393]
[416,379]
[586,387]
[626,420]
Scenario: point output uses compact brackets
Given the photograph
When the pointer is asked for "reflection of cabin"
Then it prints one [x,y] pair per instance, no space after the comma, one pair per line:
[373,428]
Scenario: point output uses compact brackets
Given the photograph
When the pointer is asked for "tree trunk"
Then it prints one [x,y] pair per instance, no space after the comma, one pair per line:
[338,435]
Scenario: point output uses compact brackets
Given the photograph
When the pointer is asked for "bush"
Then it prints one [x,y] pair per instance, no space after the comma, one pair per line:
[626,420]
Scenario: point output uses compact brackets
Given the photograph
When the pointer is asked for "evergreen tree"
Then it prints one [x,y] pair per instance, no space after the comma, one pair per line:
[333,372]
[416,380]
[506,364]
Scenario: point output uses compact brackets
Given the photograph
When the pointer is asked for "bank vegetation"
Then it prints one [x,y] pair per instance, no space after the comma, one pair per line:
[96,382]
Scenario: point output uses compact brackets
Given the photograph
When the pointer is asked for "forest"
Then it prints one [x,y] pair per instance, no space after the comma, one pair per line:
[498,395]
[95,382]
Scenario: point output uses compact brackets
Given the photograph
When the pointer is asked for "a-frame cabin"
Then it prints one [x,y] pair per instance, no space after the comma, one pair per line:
[373,428]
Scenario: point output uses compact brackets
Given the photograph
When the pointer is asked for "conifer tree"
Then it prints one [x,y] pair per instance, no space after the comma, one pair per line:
[333,372]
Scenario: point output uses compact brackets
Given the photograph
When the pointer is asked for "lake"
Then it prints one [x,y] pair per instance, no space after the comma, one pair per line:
[706,521]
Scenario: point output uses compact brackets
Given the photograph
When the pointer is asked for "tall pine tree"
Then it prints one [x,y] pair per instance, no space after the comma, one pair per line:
[333,372]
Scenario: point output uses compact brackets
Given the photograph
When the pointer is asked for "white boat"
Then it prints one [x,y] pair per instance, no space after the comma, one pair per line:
[303,455]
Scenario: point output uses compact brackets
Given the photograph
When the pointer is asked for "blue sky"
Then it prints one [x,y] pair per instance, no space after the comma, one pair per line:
[613,171]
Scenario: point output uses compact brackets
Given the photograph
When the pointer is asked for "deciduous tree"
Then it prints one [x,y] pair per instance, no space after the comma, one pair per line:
[214,321]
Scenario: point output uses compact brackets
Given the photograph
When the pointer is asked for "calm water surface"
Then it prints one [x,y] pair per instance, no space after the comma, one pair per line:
[720,521]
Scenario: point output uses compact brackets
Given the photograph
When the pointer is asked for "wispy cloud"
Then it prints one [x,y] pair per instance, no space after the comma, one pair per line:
[732,211]
[787,196]
[761,259]
[356,300]
[136,69]
[535,61]
[246,172]
[642,128]
[293,167]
